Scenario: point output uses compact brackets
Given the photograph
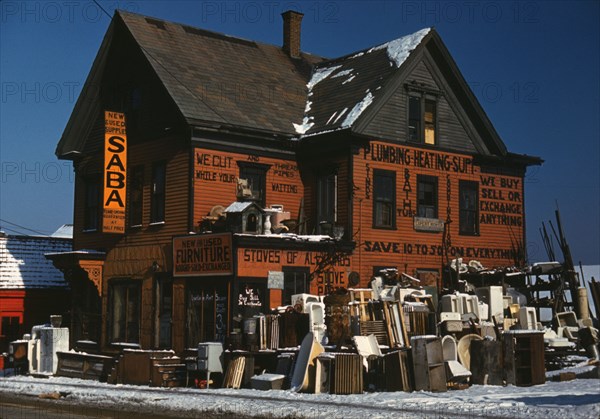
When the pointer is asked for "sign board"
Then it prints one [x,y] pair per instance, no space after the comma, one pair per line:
[428,224]
[115,173]
[258,262]
[275,280]
[202,255]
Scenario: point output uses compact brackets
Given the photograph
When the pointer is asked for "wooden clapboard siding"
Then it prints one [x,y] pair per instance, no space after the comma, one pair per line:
[175,153]
[147,315]
[214,181]
[179,320]
[391,122]
[410,250]
[343,193]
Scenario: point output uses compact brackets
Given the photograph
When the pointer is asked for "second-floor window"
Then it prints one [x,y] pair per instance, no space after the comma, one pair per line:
[256,175]
[91,216]
[384,199]
[326,203]
[157,204]
[427,196]
[468,223]
[422,118]
[136,196]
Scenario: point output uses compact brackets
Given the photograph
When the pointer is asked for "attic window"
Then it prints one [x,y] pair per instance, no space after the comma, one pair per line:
[158,23]
[422,118]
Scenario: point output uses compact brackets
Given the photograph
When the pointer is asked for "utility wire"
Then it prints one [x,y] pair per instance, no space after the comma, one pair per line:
[22,228]
[20,233]
[102,8]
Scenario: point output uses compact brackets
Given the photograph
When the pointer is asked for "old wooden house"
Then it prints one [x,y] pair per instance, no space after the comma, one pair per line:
[381,158]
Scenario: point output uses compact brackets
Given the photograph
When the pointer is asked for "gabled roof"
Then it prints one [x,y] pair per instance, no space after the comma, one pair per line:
[214,79]
[24,266]
[219,78]
[345,93]
[219,82]
[64,232]
[341,90]
[241,207]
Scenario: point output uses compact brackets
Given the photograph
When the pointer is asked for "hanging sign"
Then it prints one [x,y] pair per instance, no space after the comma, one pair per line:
[115,173]
[275,280]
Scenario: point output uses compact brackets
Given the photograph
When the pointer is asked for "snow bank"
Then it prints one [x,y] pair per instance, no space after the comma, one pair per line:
[553,400]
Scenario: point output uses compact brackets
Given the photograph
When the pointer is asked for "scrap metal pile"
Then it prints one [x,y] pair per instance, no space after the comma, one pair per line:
[395,336]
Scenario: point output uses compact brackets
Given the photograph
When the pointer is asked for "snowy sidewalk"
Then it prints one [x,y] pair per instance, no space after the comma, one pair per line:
[573,399]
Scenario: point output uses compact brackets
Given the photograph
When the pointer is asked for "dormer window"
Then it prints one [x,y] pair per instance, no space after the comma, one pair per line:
[422,118]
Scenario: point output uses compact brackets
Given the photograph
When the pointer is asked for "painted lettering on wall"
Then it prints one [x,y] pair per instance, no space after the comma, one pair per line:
[368,182]
[289,257]
[285,170]
[284,187]
[258,262]
[500,201]
[406,209]
[115,173]
[418,158]
[214,168]
[222,168]
[447,235]
[330,281]
[437,250]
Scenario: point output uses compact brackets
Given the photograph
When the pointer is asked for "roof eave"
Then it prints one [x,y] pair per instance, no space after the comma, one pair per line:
[496,141]
[72,141]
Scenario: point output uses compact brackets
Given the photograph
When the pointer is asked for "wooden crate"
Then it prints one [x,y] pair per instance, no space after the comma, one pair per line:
[167,372]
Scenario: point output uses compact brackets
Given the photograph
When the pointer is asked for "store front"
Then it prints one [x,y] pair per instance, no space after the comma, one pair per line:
[223,279]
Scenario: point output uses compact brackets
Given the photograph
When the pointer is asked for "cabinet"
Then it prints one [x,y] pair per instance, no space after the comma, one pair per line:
[428,362]
[209,358]
[524,357]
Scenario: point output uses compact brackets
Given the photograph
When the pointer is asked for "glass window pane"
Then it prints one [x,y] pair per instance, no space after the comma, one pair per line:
[136,196]
[414,118]
[468,207]
[159,172]
[427,197]
[384,197]
[256,177]
[429,121]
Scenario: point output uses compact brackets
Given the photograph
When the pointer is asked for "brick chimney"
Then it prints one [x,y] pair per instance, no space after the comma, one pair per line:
[292,25]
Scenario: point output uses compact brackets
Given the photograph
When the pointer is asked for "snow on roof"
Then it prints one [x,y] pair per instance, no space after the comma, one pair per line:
[399,49]
[306,122]
[357,110]
[319,75]
[330,90]
[23,264]
[65,232]
[291,237]
[239,206]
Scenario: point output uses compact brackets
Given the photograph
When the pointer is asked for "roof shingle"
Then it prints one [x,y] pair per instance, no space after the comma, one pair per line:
[24,266]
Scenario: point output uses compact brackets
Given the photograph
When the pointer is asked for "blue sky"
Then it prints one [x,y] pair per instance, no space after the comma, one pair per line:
[533,65]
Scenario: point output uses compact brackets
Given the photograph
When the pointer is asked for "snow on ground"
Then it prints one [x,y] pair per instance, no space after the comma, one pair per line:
[573,399]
